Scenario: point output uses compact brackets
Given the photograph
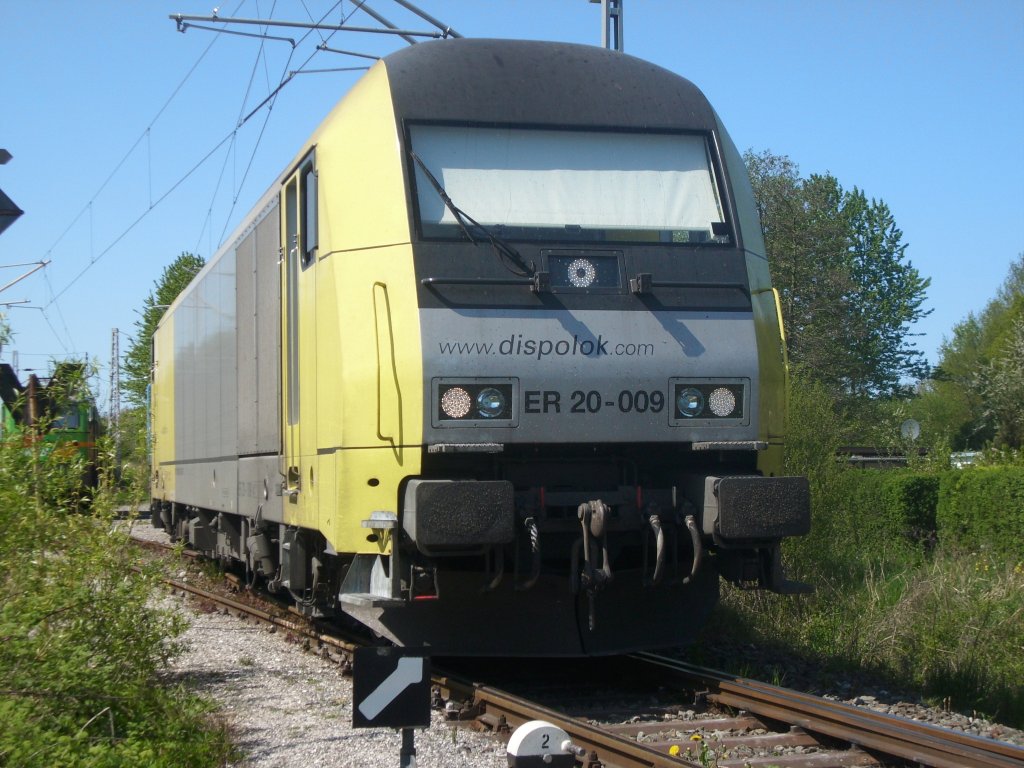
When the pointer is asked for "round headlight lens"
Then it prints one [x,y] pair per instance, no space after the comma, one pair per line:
[456,402]
[690,402]
[722,402]
[490,402]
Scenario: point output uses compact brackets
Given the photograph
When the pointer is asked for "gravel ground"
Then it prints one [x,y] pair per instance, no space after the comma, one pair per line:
[288,707]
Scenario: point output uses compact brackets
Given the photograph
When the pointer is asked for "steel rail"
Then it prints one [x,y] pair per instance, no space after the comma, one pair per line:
[604,748]
[342,646]
[874,732]
[491,704]
[906,739]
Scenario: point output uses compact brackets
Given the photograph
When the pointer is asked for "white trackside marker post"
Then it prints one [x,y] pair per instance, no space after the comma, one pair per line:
[540,744]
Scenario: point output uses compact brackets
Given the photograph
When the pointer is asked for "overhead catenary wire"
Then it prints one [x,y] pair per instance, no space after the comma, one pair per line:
[167,193]
[141,216]
[154,197]
[231,153]
[447,30]
[310,15]
[328,69]
[232,149]
[88,207]
[135,145]
[323,47]
[184,22]
[266,120]
[46,317]
[36,266]
[365,8]
[261,36]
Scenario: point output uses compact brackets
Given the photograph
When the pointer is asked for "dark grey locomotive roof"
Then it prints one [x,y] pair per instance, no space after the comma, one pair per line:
[525,81]
[559,85]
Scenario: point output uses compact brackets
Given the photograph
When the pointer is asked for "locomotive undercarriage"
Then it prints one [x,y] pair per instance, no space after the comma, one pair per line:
[605,554]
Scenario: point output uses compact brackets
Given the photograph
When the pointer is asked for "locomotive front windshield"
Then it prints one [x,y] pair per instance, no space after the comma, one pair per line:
[537,184]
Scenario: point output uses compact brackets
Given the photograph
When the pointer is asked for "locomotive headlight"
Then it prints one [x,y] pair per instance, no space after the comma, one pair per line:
[474,402]
[490,403]
[722,402]
[701,403]
[456,403]
[690,402]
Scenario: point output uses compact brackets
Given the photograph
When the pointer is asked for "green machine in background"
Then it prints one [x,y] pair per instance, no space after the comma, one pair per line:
[61,407]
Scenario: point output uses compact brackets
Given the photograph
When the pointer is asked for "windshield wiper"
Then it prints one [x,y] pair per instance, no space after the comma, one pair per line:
[506,253]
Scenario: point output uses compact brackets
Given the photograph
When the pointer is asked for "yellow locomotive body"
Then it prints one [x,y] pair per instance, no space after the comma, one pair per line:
[487,432]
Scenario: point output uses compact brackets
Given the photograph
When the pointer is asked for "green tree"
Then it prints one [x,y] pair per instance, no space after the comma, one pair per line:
[1001,384]
[849,295]
[974,396]
[138,359]
[950,405]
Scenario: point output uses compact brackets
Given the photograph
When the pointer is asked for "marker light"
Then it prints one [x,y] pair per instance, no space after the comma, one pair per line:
[456,403]
[722,402]
[490,402]
[690,402]
[474,402]
[708,401]
[581,273]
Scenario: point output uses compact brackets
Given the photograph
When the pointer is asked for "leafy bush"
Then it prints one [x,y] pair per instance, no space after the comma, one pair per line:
[945,618]
[81,645]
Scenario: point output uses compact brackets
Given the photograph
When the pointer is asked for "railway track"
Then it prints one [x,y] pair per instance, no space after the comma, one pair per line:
[910,740]
[758,725]
[742,723]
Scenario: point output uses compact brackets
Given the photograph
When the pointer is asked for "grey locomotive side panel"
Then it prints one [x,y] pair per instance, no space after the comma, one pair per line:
[268,332]
[245,255]
[259,488]
[259,344]
[226,355]
[205,384]
[258,340]
[590,375]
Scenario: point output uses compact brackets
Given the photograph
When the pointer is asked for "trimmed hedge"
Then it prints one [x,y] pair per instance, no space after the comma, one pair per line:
[899,511]
[890,511]
[983,508]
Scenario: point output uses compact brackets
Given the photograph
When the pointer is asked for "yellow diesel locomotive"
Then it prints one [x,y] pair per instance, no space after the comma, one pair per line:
[495,367]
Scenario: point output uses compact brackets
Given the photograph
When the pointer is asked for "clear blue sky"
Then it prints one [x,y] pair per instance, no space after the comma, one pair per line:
[918,103]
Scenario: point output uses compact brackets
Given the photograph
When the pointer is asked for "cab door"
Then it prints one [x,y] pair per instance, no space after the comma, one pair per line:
[298,341]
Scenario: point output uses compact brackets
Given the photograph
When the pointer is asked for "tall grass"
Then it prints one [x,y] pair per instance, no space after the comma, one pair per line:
[948,624]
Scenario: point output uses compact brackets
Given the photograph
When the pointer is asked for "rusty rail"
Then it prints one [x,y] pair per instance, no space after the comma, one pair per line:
[503,712]
[876,732]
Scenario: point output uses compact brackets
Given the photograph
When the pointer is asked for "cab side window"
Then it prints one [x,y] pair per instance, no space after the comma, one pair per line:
[308,186]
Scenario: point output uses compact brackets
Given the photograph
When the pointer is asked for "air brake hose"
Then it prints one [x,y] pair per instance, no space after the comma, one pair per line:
[659,558]
[698,547]
[499,570]
[534,534]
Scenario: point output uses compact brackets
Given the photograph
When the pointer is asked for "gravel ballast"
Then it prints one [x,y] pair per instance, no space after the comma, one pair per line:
[288,707]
